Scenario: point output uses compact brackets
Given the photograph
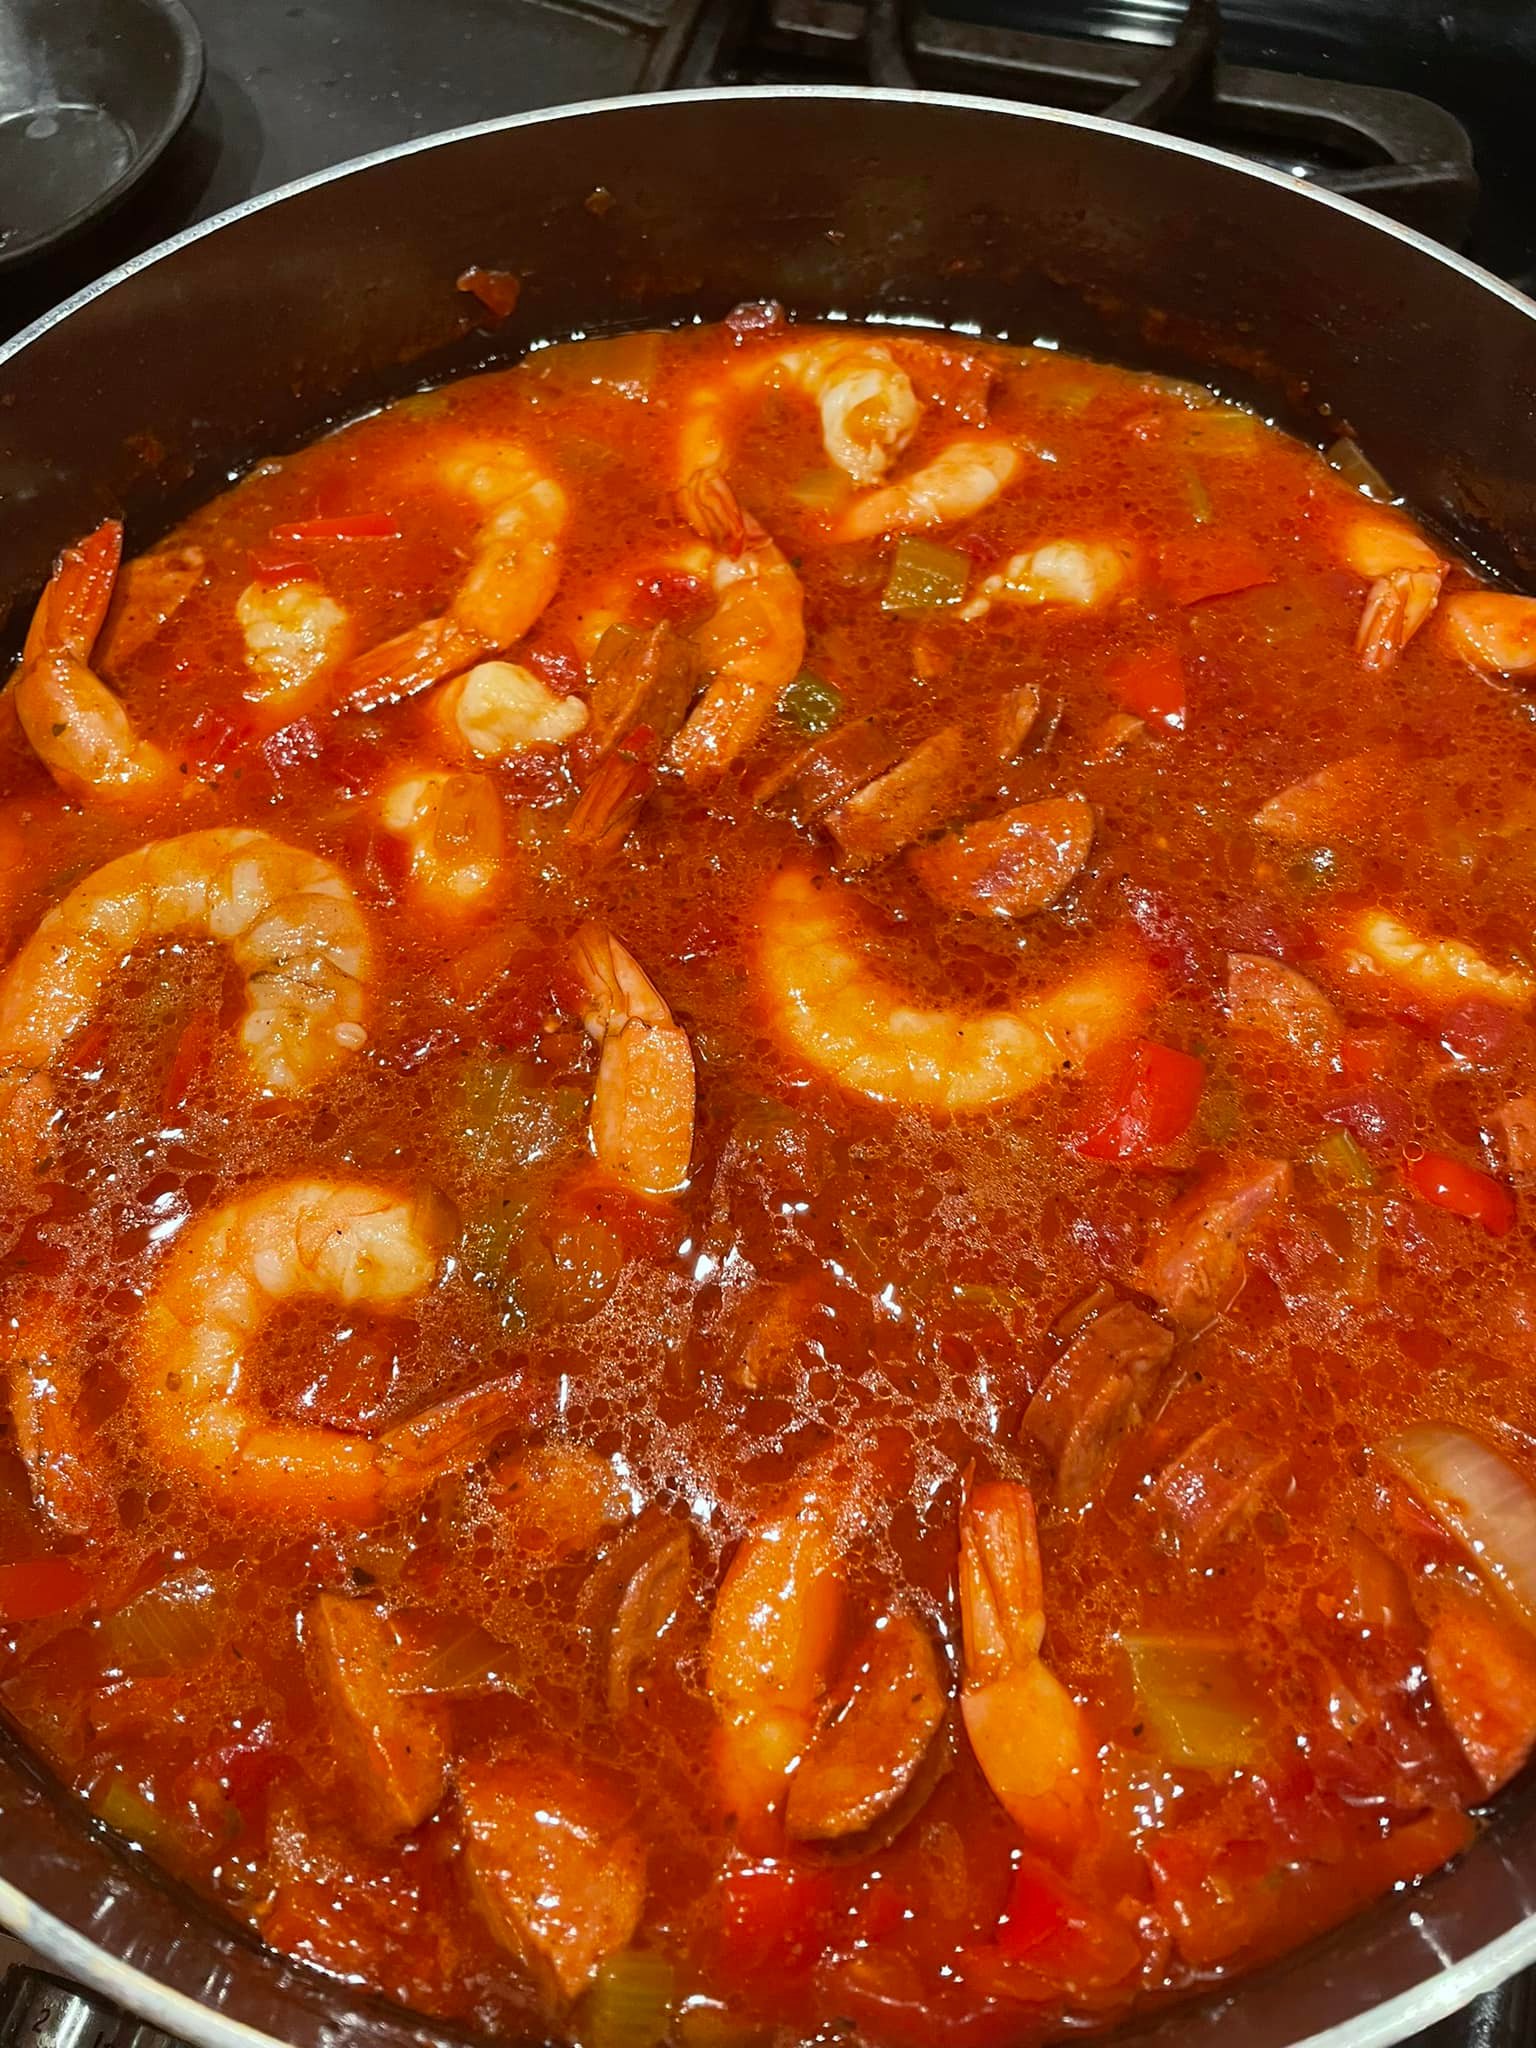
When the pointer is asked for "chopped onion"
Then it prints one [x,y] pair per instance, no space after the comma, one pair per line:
[1356,467]
[1479,1497]
[470,1662]
[630,2002]
[166,1628]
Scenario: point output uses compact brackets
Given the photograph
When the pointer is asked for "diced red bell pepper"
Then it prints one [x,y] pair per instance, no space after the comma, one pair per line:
[39,1587]
[1464,1190]
[1061,1935]
[671,594]
[272,566]
[290,746]
[215,739]
[1477,1032]
[775,1916]
[556,662]
[1152,1100]
[344,526]
[1034,1913]
[1150,683]
[1210,565]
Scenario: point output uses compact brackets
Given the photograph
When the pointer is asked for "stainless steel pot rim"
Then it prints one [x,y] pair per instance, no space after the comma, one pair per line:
[1052,116]
[73,1952]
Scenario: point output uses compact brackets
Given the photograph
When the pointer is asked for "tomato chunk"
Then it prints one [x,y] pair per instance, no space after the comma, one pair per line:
[1150,683]
[1152,1102]
[1464,1190]
[39,1587]
[775,1914]
[1213,565]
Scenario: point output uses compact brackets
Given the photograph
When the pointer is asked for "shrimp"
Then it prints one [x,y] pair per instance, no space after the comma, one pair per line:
[1493,629]
[499,708]
[78,729]
[960,481]
[868,409]
[1086,575]
[844,1019]
[642,1104]
[289,919]
[1444,971]
[452,826]
[295,633]
[752,645]
[1028,1734]
[513,573]
[346,1241]
[1406,577]
[42,1374]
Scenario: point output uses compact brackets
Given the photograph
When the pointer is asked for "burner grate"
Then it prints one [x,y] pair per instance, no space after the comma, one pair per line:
[1399,153]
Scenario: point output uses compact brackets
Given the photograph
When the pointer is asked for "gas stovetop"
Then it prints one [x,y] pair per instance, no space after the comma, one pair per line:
[1419,107]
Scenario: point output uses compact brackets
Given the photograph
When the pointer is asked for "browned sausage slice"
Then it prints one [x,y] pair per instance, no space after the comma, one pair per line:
[902,806]
[1010,865]
[1215,1487]
[873,1738]
[1095,1393]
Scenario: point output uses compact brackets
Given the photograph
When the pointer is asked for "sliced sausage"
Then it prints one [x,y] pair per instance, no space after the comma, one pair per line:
[873,1738]
[902,806]
[1267,997]
[392,1749]
[1196,1268]
[828,772]
[1011,865]
[1095,1393]
[1215,1487]
[1338,800]
[642,679]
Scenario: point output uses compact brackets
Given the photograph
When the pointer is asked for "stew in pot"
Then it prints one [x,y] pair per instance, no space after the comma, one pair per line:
[765,1277]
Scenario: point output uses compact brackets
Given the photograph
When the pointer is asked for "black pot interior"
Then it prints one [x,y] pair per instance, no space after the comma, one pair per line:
[246,341]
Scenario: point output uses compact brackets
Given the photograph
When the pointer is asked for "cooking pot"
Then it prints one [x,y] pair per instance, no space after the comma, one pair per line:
[155,387]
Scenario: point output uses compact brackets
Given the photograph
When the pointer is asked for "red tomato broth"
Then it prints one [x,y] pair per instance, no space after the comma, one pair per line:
[935,1254]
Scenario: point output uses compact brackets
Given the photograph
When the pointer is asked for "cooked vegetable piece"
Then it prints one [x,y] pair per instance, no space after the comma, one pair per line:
[1011,865]
[1481,1499]
[1463,1190]
[168,1626]
[630,2002]
[872,1739]
[1483,1671]
[1209,564]
[1199,1700]
[651,1598]
[1516,1127]
[1148,1101]
[902,806]
[811,704]
[392,1749]
[1150,684]
[556,1870]
[1097,1392]
[925,577]
[34,1587]
[1196,1266]
[555,1500]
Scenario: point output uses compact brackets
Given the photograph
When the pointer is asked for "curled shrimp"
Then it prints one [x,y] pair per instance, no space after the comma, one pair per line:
[771,1638]
[642,1104]
[1375,945]
[513,572]
[350,1242]
[959,482]
[1406,576]
[288,918]
[1085,575]
[295,634]
[77,727]
[1026,1731]
[868,409]
[752,645]
[453,832]
[841,1016]
[1493,629]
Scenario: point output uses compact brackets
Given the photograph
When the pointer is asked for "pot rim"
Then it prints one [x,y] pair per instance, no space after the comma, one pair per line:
[1421,2005]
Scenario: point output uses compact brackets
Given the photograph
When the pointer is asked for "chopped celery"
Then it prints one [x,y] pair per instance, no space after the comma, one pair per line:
[630,2002]
[710,2026]
[424,405]
[468,1663]
[811,704]
[503,1115]
[820,490]
[1222,430]
[1362,1261]
[1340,1155]
[1201,510]
[125,1809]
[622,363]
[925,578]
[1198,1699]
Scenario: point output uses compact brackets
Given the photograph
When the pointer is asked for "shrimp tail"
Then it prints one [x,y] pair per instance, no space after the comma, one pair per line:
[406,664]
[453,1434]
[72,610]
[708,504]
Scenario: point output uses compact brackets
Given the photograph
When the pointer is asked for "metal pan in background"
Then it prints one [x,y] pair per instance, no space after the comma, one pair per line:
[91,93]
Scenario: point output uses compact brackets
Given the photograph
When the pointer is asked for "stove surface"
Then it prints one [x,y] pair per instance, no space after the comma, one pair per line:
[295,85]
